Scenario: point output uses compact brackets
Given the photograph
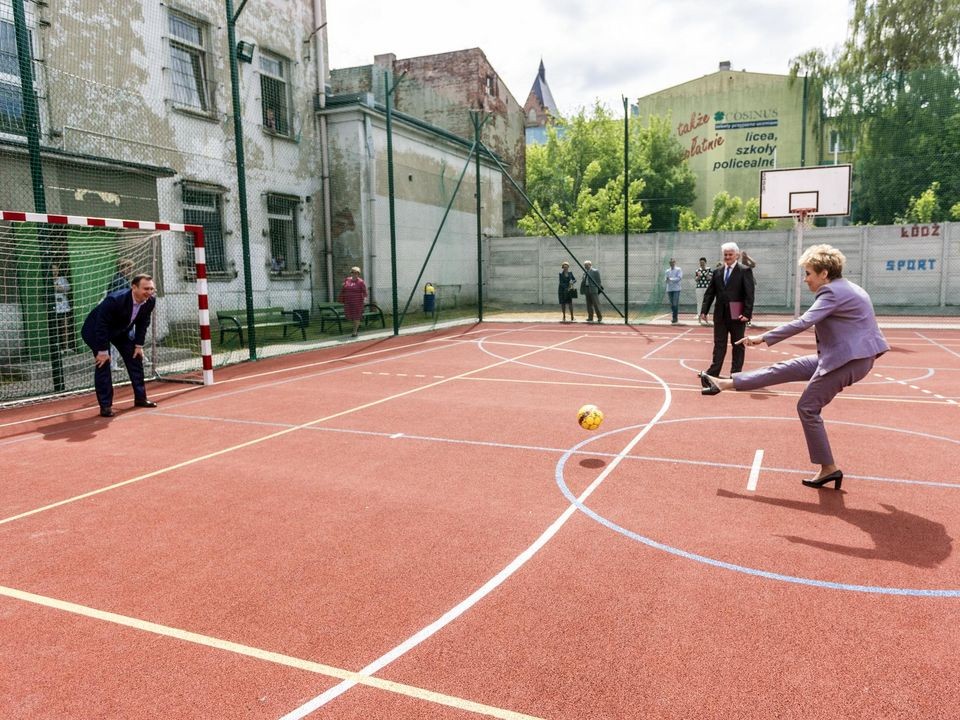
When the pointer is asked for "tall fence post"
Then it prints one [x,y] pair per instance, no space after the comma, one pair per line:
[626,213]
[241,173]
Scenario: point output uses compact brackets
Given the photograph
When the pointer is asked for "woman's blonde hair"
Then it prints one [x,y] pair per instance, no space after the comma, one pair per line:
[824,257]
[354,269]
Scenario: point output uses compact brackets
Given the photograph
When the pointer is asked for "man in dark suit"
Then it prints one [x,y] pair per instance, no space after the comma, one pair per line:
[121,319]
[590,287]
[732,288]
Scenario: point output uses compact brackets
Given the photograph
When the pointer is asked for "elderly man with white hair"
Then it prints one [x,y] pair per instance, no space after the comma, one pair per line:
[732,288]
[590,287]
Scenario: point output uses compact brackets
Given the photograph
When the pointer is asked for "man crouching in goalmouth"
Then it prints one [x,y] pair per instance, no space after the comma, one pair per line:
[121,319]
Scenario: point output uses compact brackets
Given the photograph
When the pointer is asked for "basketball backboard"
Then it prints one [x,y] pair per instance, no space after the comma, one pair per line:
[820,190]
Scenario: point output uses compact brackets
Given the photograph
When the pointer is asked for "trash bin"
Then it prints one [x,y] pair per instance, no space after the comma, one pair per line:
[429,299]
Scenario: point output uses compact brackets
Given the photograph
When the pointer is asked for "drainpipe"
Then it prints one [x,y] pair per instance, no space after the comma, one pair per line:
[319,49]
[369,246]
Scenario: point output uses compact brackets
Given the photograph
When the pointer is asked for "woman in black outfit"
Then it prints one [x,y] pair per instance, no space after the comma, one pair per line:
[568,284]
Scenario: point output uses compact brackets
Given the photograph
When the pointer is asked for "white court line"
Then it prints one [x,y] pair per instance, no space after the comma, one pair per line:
[366,355]
[279,433]
[259,654]
[755,471]
[939,345]
[494,582]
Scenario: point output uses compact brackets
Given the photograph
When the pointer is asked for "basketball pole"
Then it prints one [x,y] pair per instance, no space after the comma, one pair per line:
[801,220]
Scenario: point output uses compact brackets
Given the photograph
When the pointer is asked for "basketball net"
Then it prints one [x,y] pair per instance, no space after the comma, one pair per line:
[804,217]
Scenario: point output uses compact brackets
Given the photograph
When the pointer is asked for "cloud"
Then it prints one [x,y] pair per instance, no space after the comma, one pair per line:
[592,50]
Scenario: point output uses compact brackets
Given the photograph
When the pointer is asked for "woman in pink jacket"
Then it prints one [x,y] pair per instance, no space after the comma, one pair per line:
[352,295]
[848,342]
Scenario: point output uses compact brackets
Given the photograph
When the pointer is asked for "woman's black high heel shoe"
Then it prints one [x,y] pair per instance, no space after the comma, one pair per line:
[710,387]
[835,477]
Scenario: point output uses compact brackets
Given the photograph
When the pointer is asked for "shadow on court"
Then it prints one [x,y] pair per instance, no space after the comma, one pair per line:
[75,430]
[897,534]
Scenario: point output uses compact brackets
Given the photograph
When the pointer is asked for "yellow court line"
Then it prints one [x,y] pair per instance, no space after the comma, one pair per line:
[265,655]
[279,433]
[254,376]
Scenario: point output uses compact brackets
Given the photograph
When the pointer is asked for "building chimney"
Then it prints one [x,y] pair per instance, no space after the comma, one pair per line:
[724,65]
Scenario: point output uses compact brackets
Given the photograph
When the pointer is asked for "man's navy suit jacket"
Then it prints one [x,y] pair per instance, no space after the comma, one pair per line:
[111,319]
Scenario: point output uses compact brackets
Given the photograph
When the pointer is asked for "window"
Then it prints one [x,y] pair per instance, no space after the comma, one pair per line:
[284,239]
[205,207]
[273,94]
[188,63]
[11,93]
[841,142]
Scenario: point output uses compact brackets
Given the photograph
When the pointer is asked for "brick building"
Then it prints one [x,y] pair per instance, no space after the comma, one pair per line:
[441,90]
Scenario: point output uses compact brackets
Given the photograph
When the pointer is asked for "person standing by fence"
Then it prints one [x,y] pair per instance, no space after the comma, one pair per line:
[566,290]
[673,277]
[702,280]
[591,286]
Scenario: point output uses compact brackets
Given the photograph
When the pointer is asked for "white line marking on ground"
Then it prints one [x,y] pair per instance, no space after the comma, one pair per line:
[497,579]
[939,345]
[259,654]
[755,471]
[396,435]
[280,433]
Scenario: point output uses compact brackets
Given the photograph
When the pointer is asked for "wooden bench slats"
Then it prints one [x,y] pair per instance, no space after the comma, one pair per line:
[235,321]
[334,312]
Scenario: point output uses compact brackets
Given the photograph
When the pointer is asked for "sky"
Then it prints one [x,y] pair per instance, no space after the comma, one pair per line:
[591,49]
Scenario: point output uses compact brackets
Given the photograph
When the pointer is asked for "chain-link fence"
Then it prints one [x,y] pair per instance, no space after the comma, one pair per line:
[126,111]
[912,272]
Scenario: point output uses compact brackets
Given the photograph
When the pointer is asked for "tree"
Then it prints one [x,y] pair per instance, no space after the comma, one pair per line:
[728,213]
[894,89]
[923,209]
[576,180]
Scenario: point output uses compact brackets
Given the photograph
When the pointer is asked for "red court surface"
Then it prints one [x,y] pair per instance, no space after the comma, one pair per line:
[417,527]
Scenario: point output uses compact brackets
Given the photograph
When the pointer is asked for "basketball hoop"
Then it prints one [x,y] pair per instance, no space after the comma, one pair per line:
[804,216]
[804,193]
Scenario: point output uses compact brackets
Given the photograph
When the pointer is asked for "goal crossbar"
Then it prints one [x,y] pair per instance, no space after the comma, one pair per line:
[48,256]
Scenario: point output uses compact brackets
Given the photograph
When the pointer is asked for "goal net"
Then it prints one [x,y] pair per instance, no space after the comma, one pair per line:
[55,269]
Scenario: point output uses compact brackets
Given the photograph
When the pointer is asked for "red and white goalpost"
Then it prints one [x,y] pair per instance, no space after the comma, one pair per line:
[55,268]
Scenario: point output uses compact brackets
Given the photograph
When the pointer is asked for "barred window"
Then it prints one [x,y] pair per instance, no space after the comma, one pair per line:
[188,63]
[11,92]
[205,207]
[273,93]
[284,238]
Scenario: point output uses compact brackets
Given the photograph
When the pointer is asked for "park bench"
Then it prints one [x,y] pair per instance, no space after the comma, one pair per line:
[235,321]
[332,312]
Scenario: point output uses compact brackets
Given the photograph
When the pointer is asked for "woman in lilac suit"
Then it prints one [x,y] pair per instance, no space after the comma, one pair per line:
[848,342]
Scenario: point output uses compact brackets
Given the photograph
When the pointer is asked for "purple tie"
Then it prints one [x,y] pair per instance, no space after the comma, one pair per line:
[726,275]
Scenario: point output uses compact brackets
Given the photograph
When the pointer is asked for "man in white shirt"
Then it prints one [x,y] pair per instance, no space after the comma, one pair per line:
[673,277]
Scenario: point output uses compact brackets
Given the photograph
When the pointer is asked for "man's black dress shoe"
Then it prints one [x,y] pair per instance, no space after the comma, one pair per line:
[106,412]
[710,388]
[144,403]
[834,477]
[703,379]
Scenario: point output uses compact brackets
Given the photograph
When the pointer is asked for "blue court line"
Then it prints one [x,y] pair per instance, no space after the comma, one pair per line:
[875,589]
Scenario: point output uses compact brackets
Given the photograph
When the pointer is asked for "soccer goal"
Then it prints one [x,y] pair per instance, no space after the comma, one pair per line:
[55,268]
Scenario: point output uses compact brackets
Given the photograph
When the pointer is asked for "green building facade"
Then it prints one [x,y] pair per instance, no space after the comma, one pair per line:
[733,124]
